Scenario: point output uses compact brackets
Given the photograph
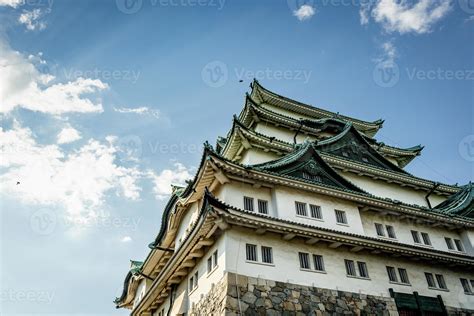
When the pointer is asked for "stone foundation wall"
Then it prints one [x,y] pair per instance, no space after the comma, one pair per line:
[241,295]
[251,296]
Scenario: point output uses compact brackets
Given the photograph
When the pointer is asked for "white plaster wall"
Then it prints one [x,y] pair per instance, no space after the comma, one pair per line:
[283,134]
[286,269]
[467,237]
[255,156]
[394,191]
[141,290]
[403,230]
[285,201]
[187,221]
[233,194]
[206,280]
[294,115]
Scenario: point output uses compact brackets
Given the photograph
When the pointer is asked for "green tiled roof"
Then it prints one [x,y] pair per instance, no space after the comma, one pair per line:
[460,203]
[306,163]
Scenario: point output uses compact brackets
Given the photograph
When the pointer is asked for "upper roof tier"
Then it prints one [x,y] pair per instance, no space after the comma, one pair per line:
[320,128]
[262,95]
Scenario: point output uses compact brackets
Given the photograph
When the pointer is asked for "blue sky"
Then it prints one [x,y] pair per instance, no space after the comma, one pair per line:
[103,106]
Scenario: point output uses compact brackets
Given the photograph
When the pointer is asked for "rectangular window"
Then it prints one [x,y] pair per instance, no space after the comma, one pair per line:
[191,284]
[318,263]
[458,244]
[363,272]
[301,209]
[209,264]
[304,260]
[350,267]
[430,280]
[267,255]
[251,252]
[379,229]
[196,279]
[214,255]
[263,207]
[315,211]
[341,217]
[466,286]
[416,237]
[426,239]
[403,276]
[392,274]
[391,231]
[441,282]
[248,203]
[449,243]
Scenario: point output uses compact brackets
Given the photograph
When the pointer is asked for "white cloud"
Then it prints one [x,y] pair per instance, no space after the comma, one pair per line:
[31,20]
[126,239]
[22,85]
[364,13]
[143,110]
[389,54]
[305,12]
[11,3]
[167,177]
[77,182]
[68,135]
[405,17]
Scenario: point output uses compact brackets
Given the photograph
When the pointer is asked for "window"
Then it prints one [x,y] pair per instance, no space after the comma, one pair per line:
[301,209]
[350,268]
[392,274]
[209,265]
[426,239]
[430,280]
[341,217]
[441,282]
[214,256]
[248,203]
[391,231]
[251,252]
[416,237]
[363,272]
[318,263]
[315,211]
[458,244]
[193,282]
[304,260]
[212,262]
[263,207]
[345,154]
[267,255]
[379,229]
[364,159]
[466,286]
[449,243]
[403,276]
